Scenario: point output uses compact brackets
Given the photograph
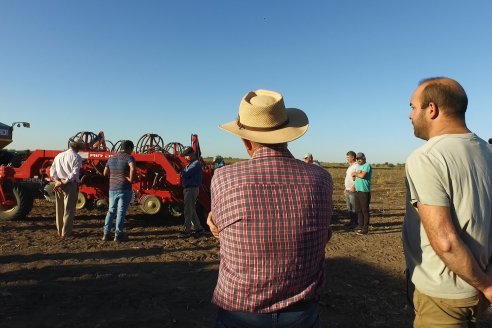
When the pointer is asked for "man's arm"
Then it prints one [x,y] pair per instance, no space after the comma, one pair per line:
[74,174]
[450,248]
[359,174]
[132,171]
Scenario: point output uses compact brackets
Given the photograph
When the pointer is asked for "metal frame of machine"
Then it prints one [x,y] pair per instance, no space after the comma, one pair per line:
[157,184]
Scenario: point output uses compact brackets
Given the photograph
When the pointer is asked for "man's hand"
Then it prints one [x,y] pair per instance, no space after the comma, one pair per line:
[58,186]
[213,228]
[487,292]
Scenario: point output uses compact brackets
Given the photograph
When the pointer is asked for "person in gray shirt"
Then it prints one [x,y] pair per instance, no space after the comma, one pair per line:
[447,232]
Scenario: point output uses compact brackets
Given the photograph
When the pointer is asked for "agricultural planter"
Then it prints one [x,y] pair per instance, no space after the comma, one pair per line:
[157,186]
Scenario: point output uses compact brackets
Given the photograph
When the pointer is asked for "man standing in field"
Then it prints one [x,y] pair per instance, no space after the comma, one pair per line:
[447,233]
[308,158]
[362,184]
[121,170]
[65,172]
[272,216]
[192,179]
[349,190]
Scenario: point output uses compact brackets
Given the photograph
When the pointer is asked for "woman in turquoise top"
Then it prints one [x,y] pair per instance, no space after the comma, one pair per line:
[362,179]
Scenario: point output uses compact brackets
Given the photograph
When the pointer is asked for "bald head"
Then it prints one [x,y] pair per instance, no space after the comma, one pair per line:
[446,93]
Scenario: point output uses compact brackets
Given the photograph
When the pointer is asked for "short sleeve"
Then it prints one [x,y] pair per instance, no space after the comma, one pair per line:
[426,176]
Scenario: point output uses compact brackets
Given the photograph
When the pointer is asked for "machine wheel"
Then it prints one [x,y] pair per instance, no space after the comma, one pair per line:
[81,201]
[23,204]
[150,204]
[101,204]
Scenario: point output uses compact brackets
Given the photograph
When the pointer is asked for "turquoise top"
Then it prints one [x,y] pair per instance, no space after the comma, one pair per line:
[364,184]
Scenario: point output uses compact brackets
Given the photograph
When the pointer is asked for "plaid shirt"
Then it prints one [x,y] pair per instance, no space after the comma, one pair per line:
[273,213]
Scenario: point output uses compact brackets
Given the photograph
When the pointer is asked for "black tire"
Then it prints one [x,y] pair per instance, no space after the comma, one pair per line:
[24,202]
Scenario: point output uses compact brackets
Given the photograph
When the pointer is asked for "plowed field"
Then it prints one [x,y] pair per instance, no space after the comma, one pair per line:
[159,280]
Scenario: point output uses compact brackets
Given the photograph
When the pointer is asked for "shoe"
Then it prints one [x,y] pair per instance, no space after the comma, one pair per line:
[106,238]
[120,238]
[70,236]
[361,232]
[200,233]
[185,234]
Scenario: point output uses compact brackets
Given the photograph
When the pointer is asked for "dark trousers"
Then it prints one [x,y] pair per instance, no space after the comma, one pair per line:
[304,316]
[362,200]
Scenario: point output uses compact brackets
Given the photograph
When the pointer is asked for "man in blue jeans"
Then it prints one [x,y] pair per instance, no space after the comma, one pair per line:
[121,169]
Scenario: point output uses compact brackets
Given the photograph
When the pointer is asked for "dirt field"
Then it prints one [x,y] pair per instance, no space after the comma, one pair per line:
[158,280]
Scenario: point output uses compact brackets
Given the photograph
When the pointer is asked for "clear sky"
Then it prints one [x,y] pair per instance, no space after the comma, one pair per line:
[180,67]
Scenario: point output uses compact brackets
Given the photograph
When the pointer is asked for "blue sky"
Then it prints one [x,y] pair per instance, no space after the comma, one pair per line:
[180,67]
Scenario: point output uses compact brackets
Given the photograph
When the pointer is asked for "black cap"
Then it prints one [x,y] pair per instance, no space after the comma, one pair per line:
[187,151]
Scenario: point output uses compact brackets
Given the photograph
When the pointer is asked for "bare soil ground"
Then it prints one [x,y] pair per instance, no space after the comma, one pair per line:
[159,280]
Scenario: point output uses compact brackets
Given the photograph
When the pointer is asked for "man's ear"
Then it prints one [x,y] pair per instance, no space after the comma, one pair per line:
[249,146]
[433,110]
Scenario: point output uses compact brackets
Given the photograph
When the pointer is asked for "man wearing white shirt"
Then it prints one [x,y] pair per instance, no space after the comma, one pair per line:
[349,190]
[308,158]
[65,172]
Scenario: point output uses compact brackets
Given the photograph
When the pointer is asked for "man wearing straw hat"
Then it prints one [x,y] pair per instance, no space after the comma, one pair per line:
[272,216]
[65,173]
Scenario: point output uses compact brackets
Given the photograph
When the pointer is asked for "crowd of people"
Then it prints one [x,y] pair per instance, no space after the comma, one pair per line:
[272,213]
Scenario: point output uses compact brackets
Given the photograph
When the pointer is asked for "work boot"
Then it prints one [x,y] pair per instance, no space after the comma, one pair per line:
[185,234]
[200,233]
[120,238]
[105,237]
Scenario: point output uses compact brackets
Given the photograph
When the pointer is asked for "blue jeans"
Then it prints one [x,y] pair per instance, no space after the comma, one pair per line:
[350,201]
[119,200]
[306,316]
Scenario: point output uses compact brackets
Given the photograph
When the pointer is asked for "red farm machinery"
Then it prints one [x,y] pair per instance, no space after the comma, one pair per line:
[24,176]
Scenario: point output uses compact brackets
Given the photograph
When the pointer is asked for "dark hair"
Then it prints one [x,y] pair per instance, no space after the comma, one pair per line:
[127,145]
[445,93]
[351,153]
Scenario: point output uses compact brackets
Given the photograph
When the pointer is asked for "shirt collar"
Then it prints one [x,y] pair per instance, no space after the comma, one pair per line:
[272,151]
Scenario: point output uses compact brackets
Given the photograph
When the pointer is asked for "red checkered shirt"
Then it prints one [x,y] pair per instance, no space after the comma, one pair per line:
[273,213]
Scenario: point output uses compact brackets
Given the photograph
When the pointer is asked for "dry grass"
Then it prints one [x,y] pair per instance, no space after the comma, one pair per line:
[387,190]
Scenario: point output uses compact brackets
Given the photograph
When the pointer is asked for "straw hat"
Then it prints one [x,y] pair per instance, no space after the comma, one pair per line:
[76,143]
[263,118]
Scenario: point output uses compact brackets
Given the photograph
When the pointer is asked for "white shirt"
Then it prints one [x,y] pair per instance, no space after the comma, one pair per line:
[349,181]
[66,165]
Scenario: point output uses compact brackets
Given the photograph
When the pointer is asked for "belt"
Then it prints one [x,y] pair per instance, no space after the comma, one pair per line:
[299,306]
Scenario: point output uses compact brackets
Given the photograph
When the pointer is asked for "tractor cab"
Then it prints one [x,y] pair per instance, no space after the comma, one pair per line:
[5,135]
[6,132]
